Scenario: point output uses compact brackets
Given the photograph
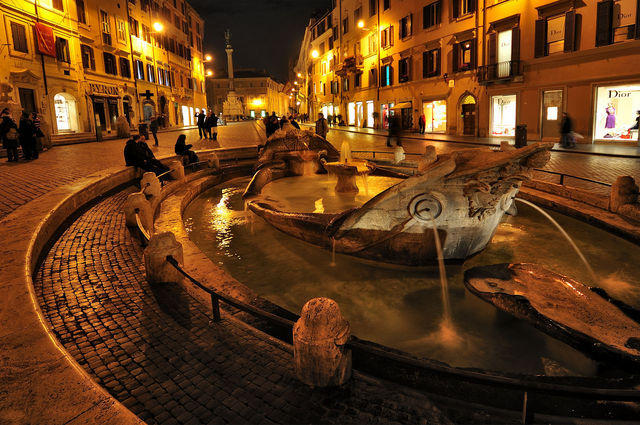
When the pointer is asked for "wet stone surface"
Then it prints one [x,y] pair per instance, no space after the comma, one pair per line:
[154,349]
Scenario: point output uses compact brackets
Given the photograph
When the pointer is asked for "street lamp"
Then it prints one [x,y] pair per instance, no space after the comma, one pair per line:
[360,24]
[299,75]
[315,54]
[209,73]
[158,27]
[208,58]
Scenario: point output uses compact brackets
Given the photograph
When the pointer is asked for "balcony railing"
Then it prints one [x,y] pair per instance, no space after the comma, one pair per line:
[501,71]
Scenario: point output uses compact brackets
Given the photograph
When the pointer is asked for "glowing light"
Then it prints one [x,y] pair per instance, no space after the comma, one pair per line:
[296,83]
[208,58]
[299,75]
[360,23]
[158,27]
[315,54]
[257,102]
[209,73]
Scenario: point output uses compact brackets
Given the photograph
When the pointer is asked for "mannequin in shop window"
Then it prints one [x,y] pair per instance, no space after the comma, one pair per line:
[637,126]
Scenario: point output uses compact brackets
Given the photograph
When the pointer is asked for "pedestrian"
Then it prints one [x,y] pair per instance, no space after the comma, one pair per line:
[9,135]
[322,128]
[272,124]
[566,132]
[201,124]
[422,123]
[27,132]
[637,126]
[395,131]
[293,122]
[181,148]
[153,126]
[212,125]
[149,161]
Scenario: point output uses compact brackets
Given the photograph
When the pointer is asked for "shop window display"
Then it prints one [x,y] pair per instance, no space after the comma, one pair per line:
[435,116]
[616,111]
[503,118]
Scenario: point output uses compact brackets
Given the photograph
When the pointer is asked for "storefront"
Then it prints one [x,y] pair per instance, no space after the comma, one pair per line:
[359,114]
[351,113]
[66,111]
[503,115]
[105,105]
[370,118]
[386,110]
[616,112]
[435,113]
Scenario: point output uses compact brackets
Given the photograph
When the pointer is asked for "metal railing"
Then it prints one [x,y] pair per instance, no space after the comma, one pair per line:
[563,176]
[499,71]
[379,153]
[526,387]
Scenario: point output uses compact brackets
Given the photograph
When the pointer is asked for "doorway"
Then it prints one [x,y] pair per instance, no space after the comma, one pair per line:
[27,100]
[468,109]
[552,110]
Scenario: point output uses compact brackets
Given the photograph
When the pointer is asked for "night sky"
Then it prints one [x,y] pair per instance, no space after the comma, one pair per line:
[266,34]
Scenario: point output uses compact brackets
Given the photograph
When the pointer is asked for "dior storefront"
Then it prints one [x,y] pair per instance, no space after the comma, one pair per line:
[616,108]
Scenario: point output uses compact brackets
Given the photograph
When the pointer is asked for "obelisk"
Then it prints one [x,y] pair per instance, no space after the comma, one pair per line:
[232,108]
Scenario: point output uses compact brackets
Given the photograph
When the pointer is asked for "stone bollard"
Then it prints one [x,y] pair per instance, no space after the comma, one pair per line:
[213,162]
[150,185]
[157,269]
[138,202]
[177,170]
[505,146]
[319,336]
[430,156]
[624,191]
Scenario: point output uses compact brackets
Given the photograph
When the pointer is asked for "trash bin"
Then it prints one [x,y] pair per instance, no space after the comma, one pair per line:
[143,130]
[521,136]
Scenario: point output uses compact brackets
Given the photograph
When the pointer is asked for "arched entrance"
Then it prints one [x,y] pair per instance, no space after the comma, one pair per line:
[148,110]
[468,114]
[66,113]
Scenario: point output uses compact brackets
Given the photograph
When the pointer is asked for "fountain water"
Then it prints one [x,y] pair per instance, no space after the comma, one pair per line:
[565,234]
[446,306]
[345,152]
[333,252]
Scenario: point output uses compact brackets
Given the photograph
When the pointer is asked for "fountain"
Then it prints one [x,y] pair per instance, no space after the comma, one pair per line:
[464,194]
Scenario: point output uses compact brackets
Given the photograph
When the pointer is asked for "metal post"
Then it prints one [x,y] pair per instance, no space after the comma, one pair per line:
[215,307]
[527,414]
[561,179]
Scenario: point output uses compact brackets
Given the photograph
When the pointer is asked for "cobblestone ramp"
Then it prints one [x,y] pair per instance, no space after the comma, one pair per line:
[154,349]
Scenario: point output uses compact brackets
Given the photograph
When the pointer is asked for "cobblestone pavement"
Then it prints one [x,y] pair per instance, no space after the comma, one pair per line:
[154,349]
[24,181]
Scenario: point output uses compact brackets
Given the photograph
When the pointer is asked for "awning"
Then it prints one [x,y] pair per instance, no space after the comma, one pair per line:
[403,105]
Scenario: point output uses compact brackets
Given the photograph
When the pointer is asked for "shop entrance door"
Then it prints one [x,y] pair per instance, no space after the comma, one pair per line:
[98,109]
[469,119]
[113,112]
[551,114]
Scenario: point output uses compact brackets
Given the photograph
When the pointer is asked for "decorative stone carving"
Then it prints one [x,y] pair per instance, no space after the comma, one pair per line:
[137,203]
[157,269]
[319,338]
[430,156]
[151,185]
[624,191]
[123,128]
[177,170]
[213,162]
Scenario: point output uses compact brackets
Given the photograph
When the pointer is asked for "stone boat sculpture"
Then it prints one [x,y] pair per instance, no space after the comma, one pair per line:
[585,318]
[462,196]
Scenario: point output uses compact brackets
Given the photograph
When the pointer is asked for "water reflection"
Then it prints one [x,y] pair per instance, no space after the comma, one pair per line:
[403,308]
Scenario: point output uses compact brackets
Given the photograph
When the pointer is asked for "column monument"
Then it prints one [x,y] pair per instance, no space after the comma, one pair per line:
[232,108]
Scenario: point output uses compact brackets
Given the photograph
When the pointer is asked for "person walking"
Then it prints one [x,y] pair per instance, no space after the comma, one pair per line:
[153,127]
[322,128]
[27,133]
[201,124]
[9,135]
[212,125]
[395,131]
[637,126]
[566,132]
[422,123]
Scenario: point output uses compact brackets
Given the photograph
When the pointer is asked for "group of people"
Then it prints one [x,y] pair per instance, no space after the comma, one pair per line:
[208,125]
[24,135]
[138,154]
[273,123]
[335,120]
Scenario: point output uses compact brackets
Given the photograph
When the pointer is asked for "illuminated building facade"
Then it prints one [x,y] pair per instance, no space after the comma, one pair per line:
[478,67]
[84,63]
[258,93]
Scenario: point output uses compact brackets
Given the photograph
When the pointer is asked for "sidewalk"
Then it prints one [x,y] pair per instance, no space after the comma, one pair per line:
[587,149]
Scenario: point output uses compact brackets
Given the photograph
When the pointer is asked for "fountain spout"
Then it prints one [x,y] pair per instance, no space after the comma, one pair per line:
[345,152]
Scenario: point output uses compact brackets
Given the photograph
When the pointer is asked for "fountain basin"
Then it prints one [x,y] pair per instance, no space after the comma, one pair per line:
[346,172]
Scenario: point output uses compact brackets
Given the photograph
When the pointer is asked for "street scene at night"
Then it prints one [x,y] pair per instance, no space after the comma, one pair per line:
[320,212]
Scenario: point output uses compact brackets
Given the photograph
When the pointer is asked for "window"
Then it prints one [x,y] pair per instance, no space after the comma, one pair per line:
[134,27]
[556,34]
[431,15]
[386,4]
[88,61]
[160,76]
[110,64]
[345,84]
[150,73]
[387,76]
[106,28]
[357,80]
[335,87]
[357,14]
[199,44]
[139,69]
[464,55]
[57,4]
[373,77]
[125,69]
[404,70]
[373,7]
[62,49]
[386,36]
[345,25]
[431,63]
[19,35]
[121,30]
[463,7]
[406,26]
[617,20]
[82,16]
[373,46]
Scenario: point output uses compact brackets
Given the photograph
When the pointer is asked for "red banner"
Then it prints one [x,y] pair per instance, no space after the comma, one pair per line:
[45,40]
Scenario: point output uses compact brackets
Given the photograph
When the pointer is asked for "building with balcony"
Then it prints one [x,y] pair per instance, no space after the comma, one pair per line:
[478,67]
[259,93]
[83,63]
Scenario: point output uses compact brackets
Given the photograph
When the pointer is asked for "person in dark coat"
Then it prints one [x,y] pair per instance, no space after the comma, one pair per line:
[566,132]
[272,124]
[132,157]
[27,133]
[201,124]
[184,150]
[153,127]
[212,123]
[148,159]
[322,128]
[293,122]
[637,126]
[395,131]
[9,135]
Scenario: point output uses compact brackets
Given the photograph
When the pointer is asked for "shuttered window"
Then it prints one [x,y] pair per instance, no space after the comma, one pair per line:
[62,49]
[431,14]
[431,63]
[19,35]
[88,60]
[125,68]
